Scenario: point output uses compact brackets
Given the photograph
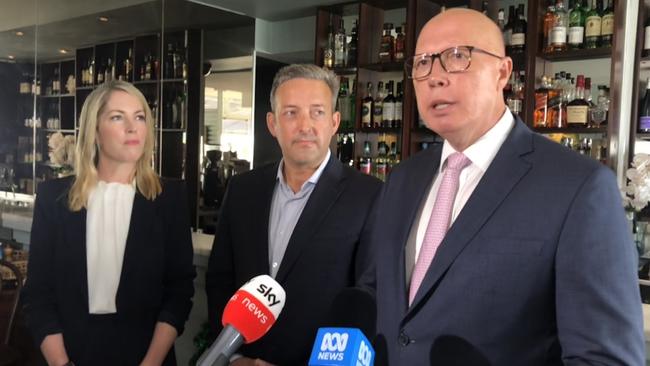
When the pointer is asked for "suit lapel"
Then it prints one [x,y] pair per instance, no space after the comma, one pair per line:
[327,190]
[143,215]
[76,235]
[261,215]
[504,173]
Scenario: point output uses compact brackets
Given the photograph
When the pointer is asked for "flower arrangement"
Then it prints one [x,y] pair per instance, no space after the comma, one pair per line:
[61,153]
[636,194]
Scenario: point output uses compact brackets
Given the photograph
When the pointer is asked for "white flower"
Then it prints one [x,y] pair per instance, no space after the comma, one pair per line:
[636,194]
[62,151]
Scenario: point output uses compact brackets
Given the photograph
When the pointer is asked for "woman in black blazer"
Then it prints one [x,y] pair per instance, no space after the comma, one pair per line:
[110,277]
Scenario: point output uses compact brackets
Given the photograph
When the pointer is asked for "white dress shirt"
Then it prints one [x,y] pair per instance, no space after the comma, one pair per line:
[107,226]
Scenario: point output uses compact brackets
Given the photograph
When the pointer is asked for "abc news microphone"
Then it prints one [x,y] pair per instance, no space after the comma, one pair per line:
[344,343]
[248,315]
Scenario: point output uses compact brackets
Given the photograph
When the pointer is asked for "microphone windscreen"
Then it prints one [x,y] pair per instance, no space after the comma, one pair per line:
[451,350]
[254,308]
[381,350]
[353,307]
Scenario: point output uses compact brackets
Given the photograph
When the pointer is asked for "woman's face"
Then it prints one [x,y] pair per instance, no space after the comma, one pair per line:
[121,131]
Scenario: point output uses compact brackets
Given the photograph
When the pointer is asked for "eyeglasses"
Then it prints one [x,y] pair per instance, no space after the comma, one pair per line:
[453,60]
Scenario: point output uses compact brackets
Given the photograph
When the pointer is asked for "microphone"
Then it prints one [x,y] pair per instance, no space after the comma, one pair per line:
[352,315]
[248,315]
[451,350]
[341,347]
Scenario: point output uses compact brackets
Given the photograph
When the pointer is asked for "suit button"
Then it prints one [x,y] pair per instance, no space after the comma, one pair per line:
[403,339]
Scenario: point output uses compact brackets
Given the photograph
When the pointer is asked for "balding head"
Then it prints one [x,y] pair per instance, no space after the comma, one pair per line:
[459,26]
[463,105]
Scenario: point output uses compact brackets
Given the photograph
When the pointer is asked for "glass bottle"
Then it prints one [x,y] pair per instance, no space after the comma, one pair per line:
[549,20]
[541,117]
[339,46]
[559,30]
[352,47]
[607,25]
[399,45]
[388,107]
[344,105]
[378,106]
[518,38]
[328,50]
[366,107]
[397,122]
[578,109]
[365,161]
[386,50]
[593,26]
[644,111]
[576,26]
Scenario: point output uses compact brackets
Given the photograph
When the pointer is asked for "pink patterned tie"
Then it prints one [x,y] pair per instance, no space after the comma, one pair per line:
[440,219]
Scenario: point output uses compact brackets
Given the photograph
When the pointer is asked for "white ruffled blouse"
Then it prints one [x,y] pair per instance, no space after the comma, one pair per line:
[107,227]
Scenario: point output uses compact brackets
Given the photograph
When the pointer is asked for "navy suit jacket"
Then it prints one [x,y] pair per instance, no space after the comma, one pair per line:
[539,267]
[156,283]
[322,258]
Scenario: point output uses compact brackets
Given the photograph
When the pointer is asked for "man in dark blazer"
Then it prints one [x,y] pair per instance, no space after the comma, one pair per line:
[537,266]
[299,220]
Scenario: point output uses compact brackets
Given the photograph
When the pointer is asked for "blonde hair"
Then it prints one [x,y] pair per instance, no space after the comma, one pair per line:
[146,180]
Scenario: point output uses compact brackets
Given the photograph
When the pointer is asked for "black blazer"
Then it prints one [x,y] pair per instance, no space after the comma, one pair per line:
[156,282]
[321,259]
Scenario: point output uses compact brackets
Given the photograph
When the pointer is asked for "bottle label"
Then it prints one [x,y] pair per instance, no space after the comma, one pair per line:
[646,43]
[398,111]
[388,112]
[607,26]
[364,167]
[593,26]
[577,114]
[576,35]
[558,35]
[644,123]
[507,36]
[518,39]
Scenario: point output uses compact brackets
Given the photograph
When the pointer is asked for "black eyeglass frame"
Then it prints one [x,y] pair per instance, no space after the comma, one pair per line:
[408,65]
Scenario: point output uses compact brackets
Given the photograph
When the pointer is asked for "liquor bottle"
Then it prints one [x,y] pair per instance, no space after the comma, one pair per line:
[25,84]
[346,148]
[646,39]
[339,46]
[556,102]
[393,156]
[169,70]
[128,67]
[56,81]
[484,7]
[378,106]
[599,110]
[101,73]
[518,38]
[541,115]
[381,163]
[366,108]
[593,26]
[607,25]
[148,67]
[365,161]
[386,48]
[501,20]
[578,108]
[109,72]
[353,104]
[91,72]
[507,29]
[576,26]
[352,47]
[397,121]
[644,111]
[388,113]
[344,104]
[400,40]
[328,50]
[559,30]
[549,20]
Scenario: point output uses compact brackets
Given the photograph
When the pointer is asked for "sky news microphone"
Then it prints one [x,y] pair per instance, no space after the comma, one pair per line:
[341,347]
[248,315]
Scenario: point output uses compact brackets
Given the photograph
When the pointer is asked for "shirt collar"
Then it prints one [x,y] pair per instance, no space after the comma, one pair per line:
[313,179]
[482,152]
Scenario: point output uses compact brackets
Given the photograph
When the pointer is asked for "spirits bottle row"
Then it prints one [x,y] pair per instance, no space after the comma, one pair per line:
[514,92]
[595,148]
[340,50]
[175,67]
[514,31]
[380,165]
[385,109]
[584,24]
[563,102]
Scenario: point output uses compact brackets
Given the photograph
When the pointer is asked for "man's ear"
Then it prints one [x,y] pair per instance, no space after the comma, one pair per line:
[270,123]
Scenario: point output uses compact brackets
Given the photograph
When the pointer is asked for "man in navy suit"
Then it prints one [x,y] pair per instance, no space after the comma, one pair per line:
[535,264]
[299,220]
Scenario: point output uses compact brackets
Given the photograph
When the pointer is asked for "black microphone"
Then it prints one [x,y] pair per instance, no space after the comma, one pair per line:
[451,350]
[381,350]
[353,307]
